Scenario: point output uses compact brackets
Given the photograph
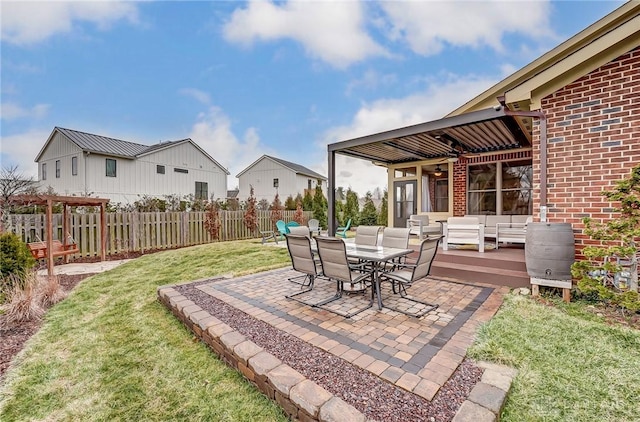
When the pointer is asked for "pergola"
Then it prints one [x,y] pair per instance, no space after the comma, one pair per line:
[492,129]
[66,202]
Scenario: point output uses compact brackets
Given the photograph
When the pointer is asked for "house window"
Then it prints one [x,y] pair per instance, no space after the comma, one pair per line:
[276,182]
[44,171]
[111,167]
[202,189]
[319,183]
[159,169]
[57,169]
[179,170]
[502,188]
[441,195]
[404,172]
[308,183]
[74,166]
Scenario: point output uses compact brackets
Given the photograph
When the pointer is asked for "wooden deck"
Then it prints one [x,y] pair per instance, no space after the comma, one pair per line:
[502,267]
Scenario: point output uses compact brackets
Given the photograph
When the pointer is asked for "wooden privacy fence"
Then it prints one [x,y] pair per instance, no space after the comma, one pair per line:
[141,231]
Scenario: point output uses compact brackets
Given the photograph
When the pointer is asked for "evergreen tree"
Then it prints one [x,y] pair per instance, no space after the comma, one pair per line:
[320,207]
[290,203]
[369,215]
[307,201]
[383,217]
[351,208]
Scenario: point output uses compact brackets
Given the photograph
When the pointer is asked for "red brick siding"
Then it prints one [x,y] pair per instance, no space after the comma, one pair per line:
[593,140]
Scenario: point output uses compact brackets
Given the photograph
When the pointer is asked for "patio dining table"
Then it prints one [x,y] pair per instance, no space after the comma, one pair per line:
[376,255]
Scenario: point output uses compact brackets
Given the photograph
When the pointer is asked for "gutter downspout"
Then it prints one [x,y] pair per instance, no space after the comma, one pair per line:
[543,151]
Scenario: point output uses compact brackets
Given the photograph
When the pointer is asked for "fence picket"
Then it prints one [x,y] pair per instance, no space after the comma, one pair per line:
[133,232]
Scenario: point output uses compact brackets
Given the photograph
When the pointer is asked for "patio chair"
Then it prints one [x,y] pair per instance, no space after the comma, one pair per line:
[342,231]
[281,228]
[301,230]
[303,261]
[462,231]
[395,237]
[419,225]
[367,235]
[314,226]
[406,275]
[336,266]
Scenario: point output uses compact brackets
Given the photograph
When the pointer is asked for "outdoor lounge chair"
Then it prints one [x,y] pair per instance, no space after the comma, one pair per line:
[303,261]
[418,225]
[463,230]
[342,231]
[405,275]
[281,228]
[336,266]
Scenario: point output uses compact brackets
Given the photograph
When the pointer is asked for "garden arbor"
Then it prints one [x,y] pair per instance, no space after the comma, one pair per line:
[49,201]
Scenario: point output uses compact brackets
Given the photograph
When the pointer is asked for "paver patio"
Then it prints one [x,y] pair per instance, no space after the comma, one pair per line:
[418,355]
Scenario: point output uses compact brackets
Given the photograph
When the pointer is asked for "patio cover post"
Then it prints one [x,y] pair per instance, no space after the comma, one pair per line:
[331,194]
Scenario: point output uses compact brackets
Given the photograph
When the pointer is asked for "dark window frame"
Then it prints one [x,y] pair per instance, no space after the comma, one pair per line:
[202,190]
[58,168]
[160,169]
[74,165]
[44,171]
[114,172]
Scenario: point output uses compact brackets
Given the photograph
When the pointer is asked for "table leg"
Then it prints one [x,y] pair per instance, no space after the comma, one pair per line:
[376,282]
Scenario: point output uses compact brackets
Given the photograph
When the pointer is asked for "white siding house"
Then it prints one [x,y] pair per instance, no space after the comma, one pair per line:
[78,163]
[269,175]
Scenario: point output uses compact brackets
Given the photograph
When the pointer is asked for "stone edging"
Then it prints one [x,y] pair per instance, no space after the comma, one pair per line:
[300,398]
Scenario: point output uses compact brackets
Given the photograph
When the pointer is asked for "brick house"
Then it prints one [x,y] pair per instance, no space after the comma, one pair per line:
[544,141]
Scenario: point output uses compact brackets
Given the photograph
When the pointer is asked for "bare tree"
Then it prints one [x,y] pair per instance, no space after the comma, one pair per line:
[12,182]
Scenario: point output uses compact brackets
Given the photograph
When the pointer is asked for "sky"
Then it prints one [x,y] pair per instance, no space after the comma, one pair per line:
[243,79]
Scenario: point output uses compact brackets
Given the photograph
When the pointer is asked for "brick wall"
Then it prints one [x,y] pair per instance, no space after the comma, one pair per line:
[593,135]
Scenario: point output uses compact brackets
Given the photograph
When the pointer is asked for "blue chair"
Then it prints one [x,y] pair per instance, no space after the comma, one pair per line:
[342,231]
[281,227]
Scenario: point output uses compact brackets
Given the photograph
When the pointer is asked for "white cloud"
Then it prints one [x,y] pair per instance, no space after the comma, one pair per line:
[196,94]
[32,22]
[387,114]
[21,149]
[214,134]
[427,26]
[11,111]
[330,31]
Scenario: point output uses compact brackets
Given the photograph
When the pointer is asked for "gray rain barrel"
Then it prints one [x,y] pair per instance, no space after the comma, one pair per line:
[549,250]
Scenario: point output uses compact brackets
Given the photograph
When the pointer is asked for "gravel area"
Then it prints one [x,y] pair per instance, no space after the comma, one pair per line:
[377,399]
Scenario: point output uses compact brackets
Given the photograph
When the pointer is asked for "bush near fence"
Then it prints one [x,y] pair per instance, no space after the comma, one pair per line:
[141,231]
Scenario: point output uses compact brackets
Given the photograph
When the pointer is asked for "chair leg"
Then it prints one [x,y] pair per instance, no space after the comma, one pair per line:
[338,295]
[402,290]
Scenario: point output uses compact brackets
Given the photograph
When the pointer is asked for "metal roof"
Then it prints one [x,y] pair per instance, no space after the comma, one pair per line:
[471,133]
[103,144]
[298,168]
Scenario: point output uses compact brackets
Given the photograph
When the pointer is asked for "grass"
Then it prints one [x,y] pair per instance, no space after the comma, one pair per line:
[112,352]
[572,365]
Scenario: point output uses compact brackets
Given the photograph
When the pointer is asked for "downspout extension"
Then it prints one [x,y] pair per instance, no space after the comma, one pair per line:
[543,151]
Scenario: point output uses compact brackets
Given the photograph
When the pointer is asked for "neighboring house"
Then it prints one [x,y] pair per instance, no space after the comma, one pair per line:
[270,175]
[79,163]
[544,141]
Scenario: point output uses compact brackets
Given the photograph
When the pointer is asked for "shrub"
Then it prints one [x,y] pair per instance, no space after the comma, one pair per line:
[15,257]
[22,302]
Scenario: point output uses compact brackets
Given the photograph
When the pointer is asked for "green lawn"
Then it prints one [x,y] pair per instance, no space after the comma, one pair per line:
[572,366]
[112,352]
